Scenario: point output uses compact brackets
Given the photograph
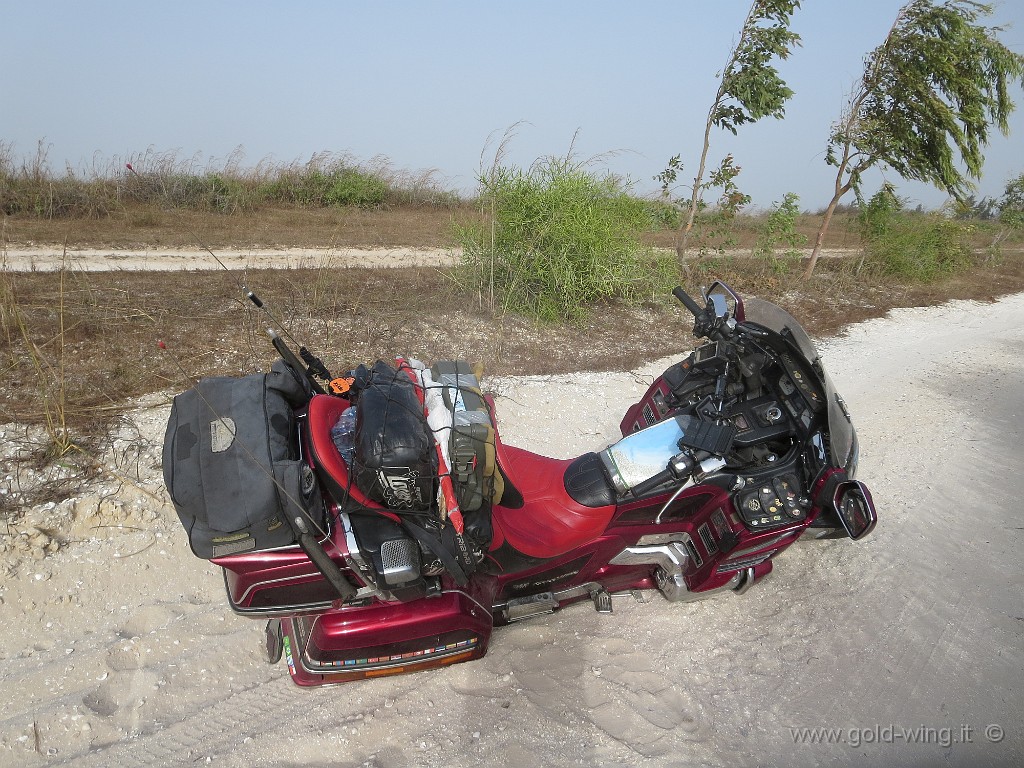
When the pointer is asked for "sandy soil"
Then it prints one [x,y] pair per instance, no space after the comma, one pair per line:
[119,650]
[50,258]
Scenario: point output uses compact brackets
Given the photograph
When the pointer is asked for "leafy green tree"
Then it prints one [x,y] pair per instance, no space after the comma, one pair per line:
[750,88]
[1011,204]
[971,207]
[925,103]
[1011,213]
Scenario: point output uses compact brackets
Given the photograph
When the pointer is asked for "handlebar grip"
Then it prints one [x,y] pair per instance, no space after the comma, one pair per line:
[650,483]
[687,301]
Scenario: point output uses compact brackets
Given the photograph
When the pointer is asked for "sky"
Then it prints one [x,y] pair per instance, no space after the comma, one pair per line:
[436,85]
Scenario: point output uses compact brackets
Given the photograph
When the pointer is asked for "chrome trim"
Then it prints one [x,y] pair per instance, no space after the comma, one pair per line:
[707,539]
[743,563]
[528,606]
[671,560]
[748,583]
[671,556]
[468,596]
[578,591]
[736,553]
[271,582]
[400,560]
[354,557]
[311,666]
[677,592]
[280,612]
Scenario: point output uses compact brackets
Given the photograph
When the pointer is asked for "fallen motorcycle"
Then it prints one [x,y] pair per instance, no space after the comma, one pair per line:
[381,526]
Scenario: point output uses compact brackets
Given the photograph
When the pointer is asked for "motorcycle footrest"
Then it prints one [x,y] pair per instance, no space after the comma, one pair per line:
[273,646]
[602,601]
[532,605]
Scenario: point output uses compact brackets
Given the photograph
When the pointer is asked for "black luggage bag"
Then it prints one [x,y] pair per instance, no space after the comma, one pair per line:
[231,463]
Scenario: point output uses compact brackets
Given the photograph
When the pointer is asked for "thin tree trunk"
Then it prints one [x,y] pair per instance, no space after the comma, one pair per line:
[821,234]
[683,243]
[864,89]
[683,236]
[840,190]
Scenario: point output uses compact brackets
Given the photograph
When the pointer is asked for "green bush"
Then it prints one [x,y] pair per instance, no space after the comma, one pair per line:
[911,245]
[779,229]
[555,240]
[665,215]
[354,187]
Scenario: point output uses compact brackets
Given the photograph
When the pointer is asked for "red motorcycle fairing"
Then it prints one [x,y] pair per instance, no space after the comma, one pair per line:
[275,582]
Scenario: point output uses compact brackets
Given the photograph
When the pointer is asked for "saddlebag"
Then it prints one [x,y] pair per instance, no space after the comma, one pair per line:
[231,463]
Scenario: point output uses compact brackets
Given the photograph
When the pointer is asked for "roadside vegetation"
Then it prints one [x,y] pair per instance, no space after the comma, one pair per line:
[77,348]
[163,180]
[554,239]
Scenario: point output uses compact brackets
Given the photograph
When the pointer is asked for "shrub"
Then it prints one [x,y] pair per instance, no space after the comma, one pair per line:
[779,229]
[911,245]
[556,239]
[354,187]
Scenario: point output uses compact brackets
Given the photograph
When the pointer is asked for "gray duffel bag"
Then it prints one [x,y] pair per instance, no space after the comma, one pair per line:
[230,462]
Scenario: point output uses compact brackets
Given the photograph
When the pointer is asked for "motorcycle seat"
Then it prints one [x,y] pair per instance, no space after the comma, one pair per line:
[538,514]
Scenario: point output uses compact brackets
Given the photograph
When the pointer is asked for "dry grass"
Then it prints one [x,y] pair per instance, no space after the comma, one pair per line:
[148,226]
[151,226]
[106,327]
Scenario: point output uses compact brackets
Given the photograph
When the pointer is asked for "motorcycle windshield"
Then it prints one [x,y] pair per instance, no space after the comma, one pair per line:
[842,437]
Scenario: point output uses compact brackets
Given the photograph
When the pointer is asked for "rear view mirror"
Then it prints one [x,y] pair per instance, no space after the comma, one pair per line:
[724,300]
[853,506]
[721,308]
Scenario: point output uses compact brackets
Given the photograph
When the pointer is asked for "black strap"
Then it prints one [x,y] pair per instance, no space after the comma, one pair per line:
[437,547]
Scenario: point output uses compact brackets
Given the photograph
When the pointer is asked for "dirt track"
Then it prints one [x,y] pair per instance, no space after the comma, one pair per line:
[50,258]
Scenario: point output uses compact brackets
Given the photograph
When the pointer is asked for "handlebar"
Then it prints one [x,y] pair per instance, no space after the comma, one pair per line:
[679,467]
[696,309]
[641,488]
[682,467]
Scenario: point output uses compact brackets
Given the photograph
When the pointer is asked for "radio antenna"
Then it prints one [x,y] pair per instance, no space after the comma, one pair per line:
[311,366]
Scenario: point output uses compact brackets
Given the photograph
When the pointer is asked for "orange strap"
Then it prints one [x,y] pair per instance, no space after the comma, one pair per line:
[341,386]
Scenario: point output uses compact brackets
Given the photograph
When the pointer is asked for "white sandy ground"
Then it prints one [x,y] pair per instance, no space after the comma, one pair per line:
[118,649]
[48,258]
